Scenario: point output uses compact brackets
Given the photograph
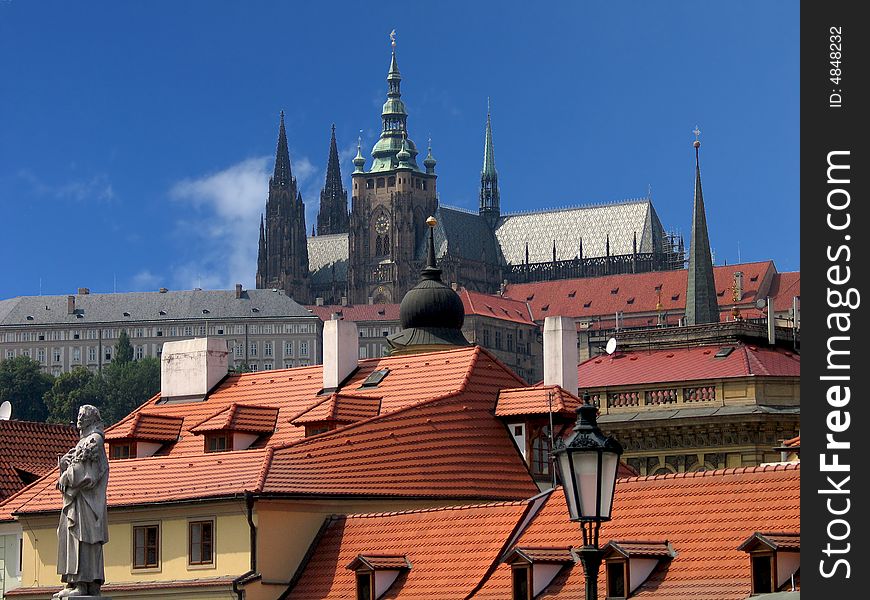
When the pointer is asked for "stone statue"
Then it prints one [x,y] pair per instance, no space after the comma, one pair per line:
[84,527]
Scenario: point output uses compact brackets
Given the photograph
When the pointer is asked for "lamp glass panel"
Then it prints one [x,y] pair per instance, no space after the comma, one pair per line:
[609,467]
[588,480]
[568,482]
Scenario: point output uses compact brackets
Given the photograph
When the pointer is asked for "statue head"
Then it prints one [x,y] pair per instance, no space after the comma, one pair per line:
[88,417]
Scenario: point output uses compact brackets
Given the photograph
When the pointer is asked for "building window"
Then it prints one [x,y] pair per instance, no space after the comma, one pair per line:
[486,338]
[107,355]
[173,331]
[253,368]
[201,547]
[77,355]
[303,348]
[288,348]
[26,352]
[363,352]
[267,366]
[522,583]
[498,339]
[381,182]
[10,354]
[140,352]
[239,351]
[56,355]
[138,332]
[364,586]
[616,579]
[202,330]
[92,334]
[218,442]
[40,355]
[92,354]
[510,342]
[76,335]
[188,330]
[146,545]
[541,452]
[267,348]
[762,574]
[370,184]
[253,351]
[121,451]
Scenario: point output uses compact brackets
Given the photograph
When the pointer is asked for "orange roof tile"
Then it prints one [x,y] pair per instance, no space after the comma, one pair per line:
[627,548]
[539,400]
[380,561]
[340,407]
[784,288]
[357,312]
[240,417]
[794,442]
[778,540]
[496,307]
[32,448]
[146,426]
[541,555]
[460,550]
[594,296]
[687,364]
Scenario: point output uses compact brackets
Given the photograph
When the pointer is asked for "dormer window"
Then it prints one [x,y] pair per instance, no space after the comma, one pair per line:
[236,427]
[533,569]
[217,442]
[629,564]
[774,559]
[141,434]
[122,451]
[376,573]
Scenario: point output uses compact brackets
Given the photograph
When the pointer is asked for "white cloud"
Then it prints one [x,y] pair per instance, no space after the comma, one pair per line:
[97,188]
[145,281]
[225,233]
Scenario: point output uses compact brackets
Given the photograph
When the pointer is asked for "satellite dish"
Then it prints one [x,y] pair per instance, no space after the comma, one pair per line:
[5,410]
[761,303]
[610,348]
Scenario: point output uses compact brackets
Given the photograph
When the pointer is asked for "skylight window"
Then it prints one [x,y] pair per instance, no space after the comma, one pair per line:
[375,378]
[723,352]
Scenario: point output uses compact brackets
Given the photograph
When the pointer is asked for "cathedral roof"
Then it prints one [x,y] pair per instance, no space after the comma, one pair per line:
[567,226]
[324,253]
[464,234]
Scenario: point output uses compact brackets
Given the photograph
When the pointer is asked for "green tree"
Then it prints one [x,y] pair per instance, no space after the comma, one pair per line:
[70,391]
[123,349]
[127,385]
[23,383]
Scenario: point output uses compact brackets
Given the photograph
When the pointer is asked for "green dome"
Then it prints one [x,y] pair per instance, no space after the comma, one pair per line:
[394,106]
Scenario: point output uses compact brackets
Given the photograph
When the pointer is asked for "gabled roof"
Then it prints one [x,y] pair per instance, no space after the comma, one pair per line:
[327,258]
[341,407]
[784,288]
[240,417]
[536,400]
[604,296]
[462,551]
[380,561]
[147,427]
[638,549]
[779,540]
[32,448]
[426,401]
[496,307]
[687,364]
[462,233]
[358,312]
[541,555]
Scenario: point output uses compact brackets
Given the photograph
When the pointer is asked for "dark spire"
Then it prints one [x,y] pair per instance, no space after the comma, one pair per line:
[489,194]
[701,303]
[332,217]
[431,313]
[282,173]
[261,253]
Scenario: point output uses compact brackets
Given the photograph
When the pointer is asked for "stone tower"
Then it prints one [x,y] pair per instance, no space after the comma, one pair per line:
[282,261]
[333,217]
[701,303]
[489,195]
[389,205]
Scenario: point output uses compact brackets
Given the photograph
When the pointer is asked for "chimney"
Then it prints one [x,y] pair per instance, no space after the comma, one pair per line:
[344,300]
[84,291]
[340,352]
[163,290]
[70,305]
[189,369]
[560,353]
[738,286]
[238,290]
[318,301]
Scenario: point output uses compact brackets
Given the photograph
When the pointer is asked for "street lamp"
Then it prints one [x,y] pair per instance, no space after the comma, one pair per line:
[588,462]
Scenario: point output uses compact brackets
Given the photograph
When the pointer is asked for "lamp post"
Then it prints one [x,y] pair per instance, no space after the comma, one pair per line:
[588,462]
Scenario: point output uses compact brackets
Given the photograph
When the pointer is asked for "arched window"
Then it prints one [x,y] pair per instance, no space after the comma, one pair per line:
[379,246]
[386,245]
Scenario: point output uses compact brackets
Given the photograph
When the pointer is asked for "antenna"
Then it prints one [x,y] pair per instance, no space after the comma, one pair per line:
[610,348]
[5,410]
[761,303]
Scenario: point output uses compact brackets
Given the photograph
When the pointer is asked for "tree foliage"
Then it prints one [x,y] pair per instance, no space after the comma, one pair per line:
[72,390]
[129,384]
[23,383]
[123,349]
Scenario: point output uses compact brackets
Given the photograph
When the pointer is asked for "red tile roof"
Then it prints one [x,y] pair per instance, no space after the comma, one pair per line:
[784,288]
[496,307]
[604,296]
[32,448]
[426,399]
[542,555]
[687,364]
[380,561]
[777,540]
[340,408]
[241,417]
[538,400]
[627,548]
[357,312]
[459,551]
[148,427]
[794,442]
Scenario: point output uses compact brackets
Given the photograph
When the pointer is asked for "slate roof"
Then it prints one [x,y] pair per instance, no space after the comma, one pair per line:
[326,252]
[30,447]
[636,292]
[430,405]
[460,551]
[462,233]
[687,364]
[536,400]
[147,306]
[567,226]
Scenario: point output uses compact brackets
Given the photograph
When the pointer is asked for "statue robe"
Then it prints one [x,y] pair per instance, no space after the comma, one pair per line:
[84,526]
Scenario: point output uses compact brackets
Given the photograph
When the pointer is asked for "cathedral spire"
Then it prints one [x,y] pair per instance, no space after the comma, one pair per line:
[332,217]
[701,304]
[282,173]
[489,193]
[261,253]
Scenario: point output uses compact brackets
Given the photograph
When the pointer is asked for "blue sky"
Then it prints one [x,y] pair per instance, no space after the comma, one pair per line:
[136,138]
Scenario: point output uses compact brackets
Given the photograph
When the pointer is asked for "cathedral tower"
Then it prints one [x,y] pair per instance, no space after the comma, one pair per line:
[701,303]
[389,205]
[282,261]
[489,196]
[333,217]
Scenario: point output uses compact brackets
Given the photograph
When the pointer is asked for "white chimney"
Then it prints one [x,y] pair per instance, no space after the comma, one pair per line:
[560,353]
[340,351]
[189,369]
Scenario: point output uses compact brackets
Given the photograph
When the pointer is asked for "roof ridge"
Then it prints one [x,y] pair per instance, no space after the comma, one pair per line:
[510,372]
[457,507]
[718,472]
[603,204]
[264,469]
